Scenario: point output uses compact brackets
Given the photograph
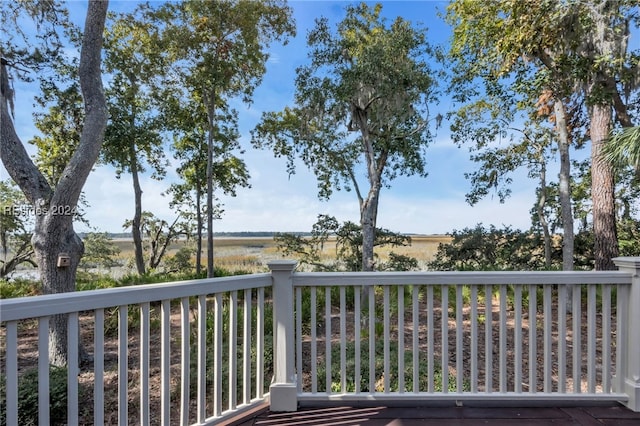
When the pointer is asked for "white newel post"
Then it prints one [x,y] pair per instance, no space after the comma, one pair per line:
[631,378]
[283,390]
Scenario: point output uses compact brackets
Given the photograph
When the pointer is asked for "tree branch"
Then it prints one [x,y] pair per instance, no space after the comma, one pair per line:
[76,172]
[622,115]
[12,152]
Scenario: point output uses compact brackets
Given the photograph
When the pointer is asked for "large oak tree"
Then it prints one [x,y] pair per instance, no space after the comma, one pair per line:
[54,204]
[361,101]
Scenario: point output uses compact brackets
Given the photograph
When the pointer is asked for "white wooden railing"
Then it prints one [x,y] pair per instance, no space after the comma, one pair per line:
[427,337]
[208,361]
[206,350]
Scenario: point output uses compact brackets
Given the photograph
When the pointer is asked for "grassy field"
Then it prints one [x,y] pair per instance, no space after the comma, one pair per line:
[253,253]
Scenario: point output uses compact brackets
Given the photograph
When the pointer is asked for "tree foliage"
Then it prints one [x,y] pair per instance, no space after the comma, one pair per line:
[61,125]
[575,49]
[15,229]
[99,251]
[310,250]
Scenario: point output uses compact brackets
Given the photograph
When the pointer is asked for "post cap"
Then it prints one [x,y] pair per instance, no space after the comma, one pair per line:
[627,262]
[282,265]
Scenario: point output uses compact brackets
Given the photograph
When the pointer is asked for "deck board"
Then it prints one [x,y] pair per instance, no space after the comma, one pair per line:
[407,416]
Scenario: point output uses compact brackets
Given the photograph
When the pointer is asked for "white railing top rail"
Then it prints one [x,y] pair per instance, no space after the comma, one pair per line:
[461,278]
[62,303]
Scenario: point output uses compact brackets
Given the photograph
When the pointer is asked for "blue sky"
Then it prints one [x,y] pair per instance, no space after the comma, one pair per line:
[278,202]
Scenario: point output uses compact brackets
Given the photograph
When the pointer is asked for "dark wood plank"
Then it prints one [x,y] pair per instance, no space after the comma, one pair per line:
[452,416]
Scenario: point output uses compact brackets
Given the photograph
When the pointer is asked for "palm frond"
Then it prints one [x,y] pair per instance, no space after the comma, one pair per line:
[624,148]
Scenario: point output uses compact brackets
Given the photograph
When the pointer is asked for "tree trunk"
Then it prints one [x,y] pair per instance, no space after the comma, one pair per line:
[210,141]
[542,200]
[54,237]
[137,215]
[199,229]
[368,215]
[602,191]
[564,186]
[369,206]
[607,43]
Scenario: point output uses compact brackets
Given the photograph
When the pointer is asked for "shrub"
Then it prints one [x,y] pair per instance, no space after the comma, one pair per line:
[351,375]
[18,288]
[484,249]
[28,397]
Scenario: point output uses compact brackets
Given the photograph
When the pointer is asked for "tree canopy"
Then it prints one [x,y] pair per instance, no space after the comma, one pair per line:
[574,50]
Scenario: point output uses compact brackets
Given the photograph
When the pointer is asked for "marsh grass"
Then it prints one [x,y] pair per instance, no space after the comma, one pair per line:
[252,254]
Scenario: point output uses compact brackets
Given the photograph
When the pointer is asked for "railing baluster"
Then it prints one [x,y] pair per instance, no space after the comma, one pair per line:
[233,350]
[606,338]
[202,359]
[217,354]
[459,340]
[144,362]
[517,338]
[430,340]
[260,344]
[43,371]
[488,339]
[73,370]
[343,340]
[387,338]
[12,371]
[184,361]
[372,339]
[314,341]
[123,352]
[591,338]
[299,362]
[622,335]
[356,327]
[444,324]
[562,338]
[415,310]
[165,364]
[576,312]
[547,336]
[503,339]
[474,338]
[327,343]
[246,352]
[533,340]
[98,367]
[400,339]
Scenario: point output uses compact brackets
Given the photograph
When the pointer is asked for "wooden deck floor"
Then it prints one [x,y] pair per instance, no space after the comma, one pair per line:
[406,416]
